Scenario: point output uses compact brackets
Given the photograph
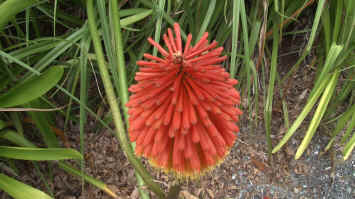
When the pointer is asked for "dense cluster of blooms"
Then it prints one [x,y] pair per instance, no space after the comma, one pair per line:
[182,113]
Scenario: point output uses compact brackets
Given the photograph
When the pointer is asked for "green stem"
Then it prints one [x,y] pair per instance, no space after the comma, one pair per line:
[111,98]
[119,56]
[122,78]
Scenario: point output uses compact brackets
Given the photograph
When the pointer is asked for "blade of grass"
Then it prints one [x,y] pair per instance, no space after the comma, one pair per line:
[84,46]
[318,115]
[206,20]
[270,92]
[338,20]
[19,190]
[255,32]
[38,154]
[310,103]
[33,88]
[161,7]
[325,19]
[62,47]
[316,91]
[55,17]
[27,26]
[346,90]
[19,62]
[135,18]
[330,63]
[10,8]
[342,120]
[349,147]
[21,141]
[217,14]
[250,70]
[349,129]
[349,24]
[235,31]
[286,117]
[73,76]
[33,47]
[107,35]
[131,11]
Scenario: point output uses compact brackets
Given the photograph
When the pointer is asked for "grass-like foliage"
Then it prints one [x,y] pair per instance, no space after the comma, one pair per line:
[52,51]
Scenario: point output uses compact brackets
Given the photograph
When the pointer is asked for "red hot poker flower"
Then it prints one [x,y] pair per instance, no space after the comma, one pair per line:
[183,108]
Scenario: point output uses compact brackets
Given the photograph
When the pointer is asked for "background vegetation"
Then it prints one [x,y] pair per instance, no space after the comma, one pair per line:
[51,52]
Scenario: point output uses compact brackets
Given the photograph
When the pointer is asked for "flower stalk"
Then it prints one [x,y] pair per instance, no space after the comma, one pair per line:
[111,98]
[123,88]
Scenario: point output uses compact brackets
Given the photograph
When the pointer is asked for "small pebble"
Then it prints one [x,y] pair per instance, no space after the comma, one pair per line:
[296,190]
[233,177]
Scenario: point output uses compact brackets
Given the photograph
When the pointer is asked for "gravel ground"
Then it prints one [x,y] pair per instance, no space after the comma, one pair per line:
[313,176]
[247,173]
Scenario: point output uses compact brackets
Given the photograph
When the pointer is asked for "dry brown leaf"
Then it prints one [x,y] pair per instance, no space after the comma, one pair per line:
[259,165]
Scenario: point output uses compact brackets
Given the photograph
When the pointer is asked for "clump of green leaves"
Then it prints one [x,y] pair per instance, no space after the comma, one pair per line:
[336,60]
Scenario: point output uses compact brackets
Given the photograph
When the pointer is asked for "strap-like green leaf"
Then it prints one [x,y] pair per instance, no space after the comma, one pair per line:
[311,102]
[29,90]
[318,115]
[16,138]
[29,153]
[134,18]
[10,8]
[19,190]
[349,147]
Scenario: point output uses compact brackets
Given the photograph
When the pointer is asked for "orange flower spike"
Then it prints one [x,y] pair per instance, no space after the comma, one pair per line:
[183,110]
